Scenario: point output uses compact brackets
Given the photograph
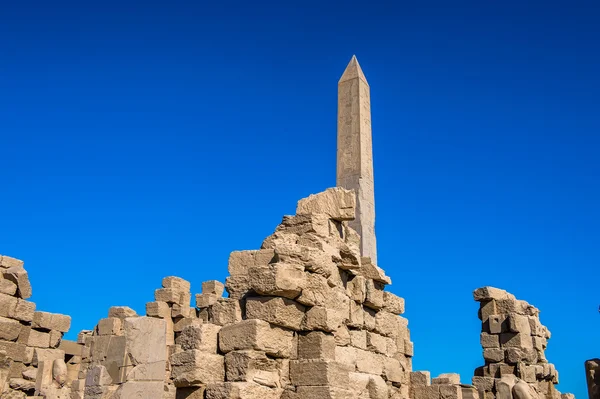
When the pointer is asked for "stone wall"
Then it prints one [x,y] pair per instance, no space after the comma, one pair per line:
[513,341]
[302,317]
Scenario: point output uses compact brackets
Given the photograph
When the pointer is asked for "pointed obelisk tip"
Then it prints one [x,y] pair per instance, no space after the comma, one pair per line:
[353,71]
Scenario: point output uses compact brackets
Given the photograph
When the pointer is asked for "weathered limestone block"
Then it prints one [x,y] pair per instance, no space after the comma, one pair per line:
[318,373]
[391,325]
[139,389]
[485,384]
[179,311]
[23,311]
[337,203]
[369,362]
[225,311]
[316,291]
[145,339]
[346,355]
[316,223]
[485,294]
[426,392]
[176,284]
[421,378]
[241,261]
[357,289]
[356,317]
[377,388]
[181,323]
[203,337]
[241,390]
[373,272]
[393,303]
[358,339]
[489,340]
[7,287]
[278,279]
[158,309]
[18,275]
[493,355]
[324,318]
[592,372]
[257,335]
[252,366]
[237,286]
[206,300]
[342,336]
[276,310]
[518,340]
[121,312]
[109,326]
[51,321]
[498,323]
[213,287]
[193,367]
[46,355]
[316,345]
[8,262]
[9,329]
[447,378]
[37,339]
[374,294]
[172,295]
[394,371]
[97,376]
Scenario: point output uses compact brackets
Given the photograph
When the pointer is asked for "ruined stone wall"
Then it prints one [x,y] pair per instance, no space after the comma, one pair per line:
[513,341]
[304,317]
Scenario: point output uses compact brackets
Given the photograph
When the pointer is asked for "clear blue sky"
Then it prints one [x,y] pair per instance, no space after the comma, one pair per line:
[145,139]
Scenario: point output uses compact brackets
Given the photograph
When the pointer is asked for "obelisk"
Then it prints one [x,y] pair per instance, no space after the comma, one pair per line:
[355,152]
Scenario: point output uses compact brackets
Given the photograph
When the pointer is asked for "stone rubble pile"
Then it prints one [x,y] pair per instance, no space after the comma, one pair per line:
[305,317]
[32,359]
[513,341]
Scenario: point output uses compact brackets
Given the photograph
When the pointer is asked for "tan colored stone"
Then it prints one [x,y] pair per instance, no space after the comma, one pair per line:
[257,335]
[139,389]
[226,311]
[420,378]
[109,326]
[357,289]
[337,203]
[193,367]
[318,373]
[489,341]
[158,309]
[203,337]
[206,300]
[241,390]
[370,270]
[393,303]
[498,324]
[9,329]
[23,311]
[369,362]
[19,276]
[252,366]
[121,312]
[485,294]
[342,336]
[179,311]
[494,355]
[7,287]
[181,323]
[324,319]
[447,378]
[176,284]
[237,286]
[145,338]
[278,279]
[377,343]
[7,262]
[358,339]
[213,287]
[316,345]
[516,340]
[275,310]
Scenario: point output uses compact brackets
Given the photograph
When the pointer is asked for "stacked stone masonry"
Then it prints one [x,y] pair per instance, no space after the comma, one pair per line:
[303,317]
[513,341]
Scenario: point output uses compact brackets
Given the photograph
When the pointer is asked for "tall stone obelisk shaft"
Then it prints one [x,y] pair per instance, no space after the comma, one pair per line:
[355,152]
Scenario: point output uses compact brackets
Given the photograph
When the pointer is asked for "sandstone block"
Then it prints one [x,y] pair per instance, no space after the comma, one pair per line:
[409,348]
[519,324]
[357,289]
[493,355]
[518,340]
[420,378]
[19,276]
[448,378]
[193,367]
[394,371]
[498,324]
[391,325]
[315,291]
[322,392]
[237,286]
[213,287]
[275,310]
[203,337]
[7,287]
[170,295]
[450,391]
[426,392]
[226,311]
[376,343]
[373,272]
[369,362]
[489,293]
[109,326]
[377,388]
[257,335]
[374,294]
[8,262]
[358,339]
[483,383]
[241,390]
[342,336]
[46,355]
[252,366]
[9,329]
[37,339]
[206,300]
[121,312]
[176,284]
[393,303]
[146,339]
[97,376]
[179,311]
[278,279]
[161,310]
[324,319]
[318,373]
[337,203]
[140,389]
[316,345]
[183,322]
[346,355]
[489,340]
[356,318]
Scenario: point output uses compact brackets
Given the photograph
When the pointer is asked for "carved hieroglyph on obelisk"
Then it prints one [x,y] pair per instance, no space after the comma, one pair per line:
[355,153]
